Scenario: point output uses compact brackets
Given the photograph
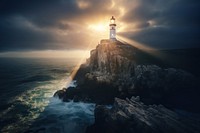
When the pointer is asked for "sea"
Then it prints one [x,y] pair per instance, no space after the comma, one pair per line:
[27,104]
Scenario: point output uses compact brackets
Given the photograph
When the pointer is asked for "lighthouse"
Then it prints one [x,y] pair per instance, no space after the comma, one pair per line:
[112,29]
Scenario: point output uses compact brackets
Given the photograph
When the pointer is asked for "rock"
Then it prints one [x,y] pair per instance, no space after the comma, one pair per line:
[110,61]
[101,113]
[60,94]
[154,77]
[113,71]
[170,86]
[109,65]
[132,116]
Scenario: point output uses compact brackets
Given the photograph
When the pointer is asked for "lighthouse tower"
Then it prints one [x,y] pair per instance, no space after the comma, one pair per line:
[112,29]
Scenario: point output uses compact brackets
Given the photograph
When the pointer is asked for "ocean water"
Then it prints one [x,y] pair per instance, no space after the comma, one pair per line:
[27,104]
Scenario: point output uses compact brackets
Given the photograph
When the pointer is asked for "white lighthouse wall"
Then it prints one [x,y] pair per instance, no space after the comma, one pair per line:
[112,34]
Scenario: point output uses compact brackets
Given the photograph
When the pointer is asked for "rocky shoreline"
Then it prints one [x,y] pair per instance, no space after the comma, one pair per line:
[113,71]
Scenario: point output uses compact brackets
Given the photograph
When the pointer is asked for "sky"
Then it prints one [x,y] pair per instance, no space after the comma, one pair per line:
[75,25]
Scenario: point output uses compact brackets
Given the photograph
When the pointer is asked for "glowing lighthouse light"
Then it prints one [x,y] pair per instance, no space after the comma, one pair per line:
[112,29]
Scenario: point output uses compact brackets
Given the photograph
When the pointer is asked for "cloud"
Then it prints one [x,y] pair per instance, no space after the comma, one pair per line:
[35,25]
[63,24]
[169,24]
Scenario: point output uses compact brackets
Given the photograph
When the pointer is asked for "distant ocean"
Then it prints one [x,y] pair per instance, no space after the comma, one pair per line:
[26,97]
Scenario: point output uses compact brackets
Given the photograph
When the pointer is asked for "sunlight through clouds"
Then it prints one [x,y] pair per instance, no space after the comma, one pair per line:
[82,4]
[56,25]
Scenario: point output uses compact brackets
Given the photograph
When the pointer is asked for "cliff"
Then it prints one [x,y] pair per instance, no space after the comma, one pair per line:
[111,61]
[133,116]
[114,69]
[110,66]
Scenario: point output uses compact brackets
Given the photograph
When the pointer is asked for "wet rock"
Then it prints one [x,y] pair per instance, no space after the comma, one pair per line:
[60,93]
[132,116]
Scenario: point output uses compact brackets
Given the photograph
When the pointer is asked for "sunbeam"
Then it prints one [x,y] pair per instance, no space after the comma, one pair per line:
[134,43]
[82,60]
[149,50]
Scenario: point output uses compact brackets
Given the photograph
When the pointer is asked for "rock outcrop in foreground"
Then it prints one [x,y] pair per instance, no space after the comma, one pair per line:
[132,116]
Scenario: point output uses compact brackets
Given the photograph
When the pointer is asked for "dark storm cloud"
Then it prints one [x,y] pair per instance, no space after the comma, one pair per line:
[51,12]
[61,24]
[166,24]
[47,24]
[42,13]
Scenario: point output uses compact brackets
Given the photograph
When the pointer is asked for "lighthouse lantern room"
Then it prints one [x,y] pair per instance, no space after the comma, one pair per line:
[112,29]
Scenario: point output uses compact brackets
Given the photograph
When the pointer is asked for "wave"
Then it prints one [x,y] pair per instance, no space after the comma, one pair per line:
[59,71]
[27,87]
[25,108]
[36,110]
[70,117]
[37,78]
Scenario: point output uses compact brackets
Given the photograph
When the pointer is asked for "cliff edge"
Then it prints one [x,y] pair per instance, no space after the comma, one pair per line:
[109,69]
[111,61]
[114,69]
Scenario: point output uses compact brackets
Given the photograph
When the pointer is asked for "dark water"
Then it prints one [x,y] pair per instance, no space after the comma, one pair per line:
[26,102]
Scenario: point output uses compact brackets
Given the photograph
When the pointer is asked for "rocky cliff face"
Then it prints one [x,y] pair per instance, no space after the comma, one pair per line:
[132,116]
[101,77]
[165,85]
[111,61]
[113,71]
